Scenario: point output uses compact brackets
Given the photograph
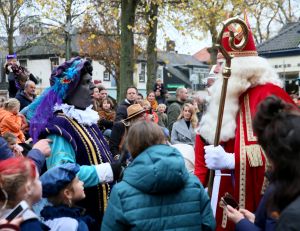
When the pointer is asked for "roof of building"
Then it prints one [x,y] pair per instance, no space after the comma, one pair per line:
[175,59]
[287,39]
[179,59]
[177,64]
[203,55]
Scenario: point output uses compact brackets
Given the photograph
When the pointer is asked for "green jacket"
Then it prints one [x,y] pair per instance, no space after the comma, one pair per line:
[173,112]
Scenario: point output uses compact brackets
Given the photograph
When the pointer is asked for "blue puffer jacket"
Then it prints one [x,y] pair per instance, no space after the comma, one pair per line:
[157,193]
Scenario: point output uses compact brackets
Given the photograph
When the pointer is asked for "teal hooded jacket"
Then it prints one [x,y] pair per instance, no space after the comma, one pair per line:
[157,193]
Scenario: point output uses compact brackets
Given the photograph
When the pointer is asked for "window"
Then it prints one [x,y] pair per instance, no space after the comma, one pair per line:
[54,63]
[276,66]
[142,73]
[298,64]
[113,82]
[159,74]
[23,62]
[288,65]
[106,76]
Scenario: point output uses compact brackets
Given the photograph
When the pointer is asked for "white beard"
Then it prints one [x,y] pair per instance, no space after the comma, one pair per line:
[246,72]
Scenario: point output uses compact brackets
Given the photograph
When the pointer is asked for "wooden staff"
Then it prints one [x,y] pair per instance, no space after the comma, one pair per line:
[226,74]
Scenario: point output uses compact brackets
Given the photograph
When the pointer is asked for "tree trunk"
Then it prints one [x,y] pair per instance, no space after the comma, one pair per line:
[213,50]
[68,46]
[128,8]
[10,28]
[118,97]
[68,29]
[151,47]
[10,41]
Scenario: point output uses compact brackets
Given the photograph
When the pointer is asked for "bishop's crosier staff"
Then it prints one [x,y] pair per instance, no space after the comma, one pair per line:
[226,74]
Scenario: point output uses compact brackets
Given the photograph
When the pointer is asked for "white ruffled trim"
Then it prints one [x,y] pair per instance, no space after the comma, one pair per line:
[83,117]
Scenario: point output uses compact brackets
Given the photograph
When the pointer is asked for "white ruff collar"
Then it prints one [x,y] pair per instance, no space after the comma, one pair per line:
[83,117]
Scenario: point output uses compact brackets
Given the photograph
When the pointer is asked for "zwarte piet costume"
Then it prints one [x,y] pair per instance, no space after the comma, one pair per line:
[75,135]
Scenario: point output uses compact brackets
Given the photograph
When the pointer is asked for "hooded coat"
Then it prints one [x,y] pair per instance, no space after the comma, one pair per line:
[157,193]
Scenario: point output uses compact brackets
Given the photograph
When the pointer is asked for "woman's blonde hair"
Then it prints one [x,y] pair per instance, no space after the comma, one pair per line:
[142,135]
[11,104]
[194,119]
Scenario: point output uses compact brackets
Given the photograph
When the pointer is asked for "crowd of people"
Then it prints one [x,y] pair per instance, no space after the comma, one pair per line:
[82,162]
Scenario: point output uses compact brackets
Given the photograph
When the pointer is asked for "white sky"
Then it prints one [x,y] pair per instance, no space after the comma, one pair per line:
[184,44]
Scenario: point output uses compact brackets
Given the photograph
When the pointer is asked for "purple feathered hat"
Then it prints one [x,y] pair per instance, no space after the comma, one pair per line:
[64,80]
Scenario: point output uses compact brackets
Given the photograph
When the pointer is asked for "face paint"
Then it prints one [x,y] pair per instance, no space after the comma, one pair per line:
[82,97]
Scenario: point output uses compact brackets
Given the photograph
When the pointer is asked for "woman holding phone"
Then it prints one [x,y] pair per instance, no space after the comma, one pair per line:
[20,189]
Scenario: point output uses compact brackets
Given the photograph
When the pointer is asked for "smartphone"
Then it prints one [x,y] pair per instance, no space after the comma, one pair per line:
[228,199]
[17,211]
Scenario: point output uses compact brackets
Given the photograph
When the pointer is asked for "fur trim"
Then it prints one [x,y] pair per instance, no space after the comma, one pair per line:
[246,72]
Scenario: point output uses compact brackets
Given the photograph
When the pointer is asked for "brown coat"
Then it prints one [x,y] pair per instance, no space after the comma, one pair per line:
[108,115]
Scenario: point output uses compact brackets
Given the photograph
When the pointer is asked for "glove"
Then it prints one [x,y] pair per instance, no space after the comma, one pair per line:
[217,159]
[117,170]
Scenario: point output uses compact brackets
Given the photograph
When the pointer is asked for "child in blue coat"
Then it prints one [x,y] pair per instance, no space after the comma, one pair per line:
[63,189]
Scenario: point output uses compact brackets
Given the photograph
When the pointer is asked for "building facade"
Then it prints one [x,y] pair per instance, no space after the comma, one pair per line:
[283,52]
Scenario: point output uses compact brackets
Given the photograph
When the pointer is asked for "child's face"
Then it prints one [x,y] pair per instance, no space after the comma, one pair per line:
[106,105]
[11,143]
[78,190]
[161,109]
[147,106]
[16,110]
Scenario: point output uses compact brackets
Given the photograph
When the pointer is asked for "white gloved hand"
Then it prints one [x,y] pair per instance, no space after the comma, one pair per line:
[216,158]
